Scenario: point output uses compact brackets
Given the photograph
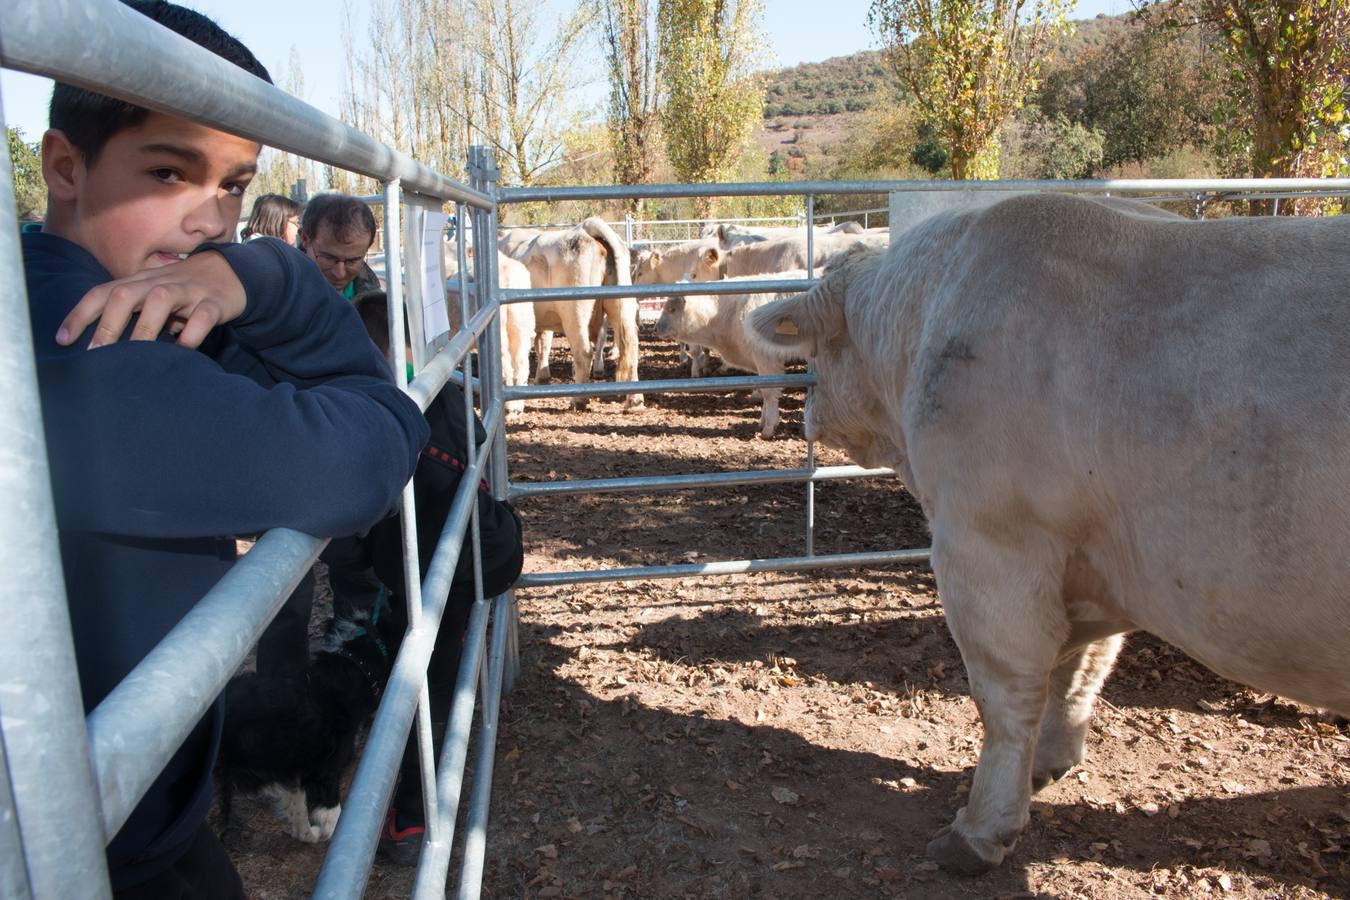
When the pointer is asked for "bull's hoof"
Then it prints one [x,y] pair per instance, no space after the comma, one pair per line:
[543,378]
[580,403]
[957,855]
[1041,779]
[634,403]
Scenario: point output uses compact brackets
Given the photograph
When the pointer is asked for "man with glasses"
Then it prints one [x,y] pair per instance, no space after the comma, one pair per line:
[336,232]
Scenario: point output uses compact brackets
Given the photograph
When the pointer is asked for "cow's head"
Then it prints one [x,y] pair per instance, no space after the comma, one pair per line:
[845,409]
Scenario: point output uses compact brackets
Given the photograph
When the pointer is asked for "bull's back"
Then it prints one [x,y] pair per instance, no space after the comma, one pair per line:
[1170,398]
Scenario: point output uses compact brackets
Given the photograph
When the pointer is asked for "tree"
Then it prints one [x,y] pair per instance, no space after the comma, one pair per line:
[30,190]
[1147,94]
[1289,67]
[526,81]
[969,64]
[714,99]
[626,31]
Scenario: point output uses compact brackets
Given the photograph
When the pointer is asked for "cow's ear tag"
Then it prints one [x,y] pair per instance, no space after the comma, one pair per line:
[786,326]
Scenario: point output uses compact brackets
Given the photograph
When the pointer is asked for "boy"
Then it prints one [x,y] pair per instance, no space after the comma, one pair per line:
[161,449]
[438,476]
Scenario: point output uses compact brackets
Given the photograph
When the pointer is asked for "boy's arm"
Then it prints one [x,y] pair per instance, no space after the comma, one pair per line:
[154,440]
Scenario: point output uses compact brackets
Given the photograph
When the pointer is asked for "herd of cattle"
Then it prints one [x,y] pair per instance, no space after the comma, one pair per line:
[592,254]
[1113,418]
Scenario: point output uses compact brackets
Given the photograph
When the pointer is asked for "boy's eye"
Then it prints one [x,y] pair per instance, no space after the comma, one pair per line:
[236,188]
[168,176]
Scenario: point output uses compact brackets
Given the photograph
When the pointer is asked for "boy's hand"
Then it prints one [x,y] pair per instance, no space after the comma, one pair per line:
[189,298]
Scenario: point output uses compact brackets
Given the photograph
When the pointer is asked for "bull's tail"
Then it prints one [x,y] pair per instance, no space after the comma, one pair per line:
[618,265]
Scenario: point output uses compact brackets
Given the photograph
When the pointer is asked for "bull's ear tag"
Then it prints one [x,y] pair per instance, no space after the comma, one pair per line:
[785,326]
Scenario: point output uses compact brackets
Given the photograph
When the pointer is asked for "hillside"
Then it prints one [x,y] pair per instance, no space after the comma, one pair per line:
[811,107]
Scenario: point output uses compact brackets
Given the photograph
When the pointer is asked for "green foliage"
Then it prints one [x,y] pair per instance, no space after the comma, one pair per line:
[929,152]
[30,190]
[627,28]
[1288,67]
[843,84]
[969,64]
[714,98]
[1060,149]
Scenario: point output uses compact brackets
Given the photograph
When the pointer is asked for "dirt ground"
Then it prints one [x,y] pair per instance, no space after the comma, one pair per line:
[805,734]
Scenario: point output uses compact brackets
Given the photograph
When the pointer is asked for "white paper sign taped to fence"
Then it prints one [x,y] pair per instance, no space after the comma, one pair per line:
[434,317]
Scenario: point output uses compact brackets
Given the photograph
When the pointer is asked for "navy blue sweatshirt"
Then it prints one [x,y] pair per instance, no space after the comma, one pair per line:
[159,454]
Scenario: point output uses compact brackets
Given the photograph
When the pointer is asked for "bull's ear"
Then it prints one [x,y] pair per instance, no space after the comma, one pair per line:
[796,327]
[656,257]
[712,257]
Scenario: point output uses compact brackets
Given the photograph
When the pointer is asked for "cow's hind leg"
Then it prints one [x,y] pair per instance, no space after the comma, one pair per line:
[543,346]
[1074,686]
[1003,601]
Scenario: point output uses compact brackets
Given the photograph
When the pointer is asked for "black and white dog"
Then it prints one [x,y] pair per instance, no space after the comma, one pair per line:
[293,737]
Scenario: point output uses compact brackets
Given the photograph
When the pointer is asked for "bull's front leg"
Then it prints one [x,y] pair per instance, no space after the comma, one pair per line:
[1003,603]
[1074,686]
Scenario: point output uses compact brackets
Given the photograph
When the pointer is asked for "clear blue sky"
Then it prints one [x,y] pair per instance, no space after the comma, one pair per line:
[797,31]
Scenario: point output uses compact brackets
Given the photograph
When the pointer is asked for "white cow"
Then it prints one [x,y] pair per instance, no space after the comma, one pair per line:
[672,264]
[719,323]
[590,254]
[1114,420]
[516,319]
[776,255]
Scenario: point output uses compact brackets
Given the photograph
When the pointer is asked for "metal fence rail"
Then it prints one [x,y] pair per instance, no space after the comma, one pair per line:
[68,783]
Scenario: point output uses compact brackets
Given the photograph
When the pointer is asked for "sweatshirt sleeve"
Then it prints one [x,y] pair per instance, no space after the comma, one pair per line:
[149,439]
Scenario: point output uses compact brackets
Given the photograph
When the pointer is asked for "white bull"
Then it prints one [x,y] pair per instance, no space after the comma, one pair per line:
[1114,420]
[719,323]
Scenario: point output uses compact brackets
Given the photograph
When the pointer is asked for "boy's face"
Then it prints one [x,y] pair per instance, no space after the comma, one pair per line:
[154,193]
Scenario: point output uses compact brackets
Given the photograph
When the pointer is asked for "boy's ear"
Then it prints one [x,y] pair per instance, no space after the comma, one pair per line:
[62,166]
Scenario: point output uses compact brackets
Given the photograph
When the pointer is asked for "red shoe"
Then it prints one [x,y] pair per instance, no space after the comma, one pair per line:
[401,846]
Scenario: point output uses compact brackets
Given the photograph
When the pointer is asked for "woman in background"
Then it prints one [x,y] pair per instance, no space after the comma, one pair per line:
[273,216]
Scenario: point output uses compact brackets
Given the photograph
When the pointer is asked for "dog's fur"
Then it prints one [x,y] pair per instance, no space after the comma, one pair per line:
[292,738]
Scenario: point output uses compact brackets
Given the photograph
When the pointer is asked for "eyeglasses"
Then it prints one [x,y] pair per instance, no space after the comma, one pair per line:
[329,259]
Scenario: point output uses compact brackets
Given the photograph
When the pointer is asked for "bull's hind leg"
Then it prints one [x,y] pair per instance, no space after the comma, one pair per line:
[1003,604]
[1074,686]
[624,317]
[575,322]
[543,347]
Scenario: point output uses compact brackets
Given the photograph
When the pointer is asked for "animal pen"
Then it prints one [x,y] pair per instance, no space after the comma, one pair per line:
[67,781]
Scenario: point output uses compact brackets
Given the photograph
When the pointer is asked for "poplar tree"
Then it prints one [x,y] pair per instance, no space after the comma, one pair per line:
[629,47]
[969,64]
[714,99]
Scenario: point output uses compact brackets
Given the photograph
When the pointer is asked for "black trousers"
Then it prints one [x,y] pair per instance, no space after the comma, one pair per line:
[204,872]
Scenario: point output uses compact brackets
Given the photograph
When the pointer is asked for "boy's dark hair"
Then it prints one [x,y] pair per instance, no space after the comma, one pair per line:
[89,119]
[342,214]
[269,216]
[373,307]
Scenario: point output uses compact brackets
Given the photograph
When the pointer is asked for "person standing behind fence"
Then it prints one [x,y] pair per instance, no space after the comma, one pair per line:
[273,216]
[337,231]
[191,390]
[502,555]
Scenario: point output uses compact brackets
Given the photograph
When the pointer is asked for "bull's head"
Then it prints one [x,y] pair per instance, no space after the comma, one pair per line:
[845,409]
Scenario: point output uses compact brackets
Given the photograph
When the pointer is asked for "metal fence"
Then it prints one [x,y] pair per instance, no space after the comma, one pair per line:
[67,782]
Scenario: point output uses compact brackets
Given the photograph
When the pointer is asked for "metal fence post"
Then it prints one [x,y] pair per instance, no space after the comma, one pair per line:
[50,776]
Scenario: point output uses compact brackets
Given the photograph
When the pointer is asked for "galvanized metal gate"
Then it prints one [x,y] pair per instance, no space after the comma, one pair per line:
[68,782]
